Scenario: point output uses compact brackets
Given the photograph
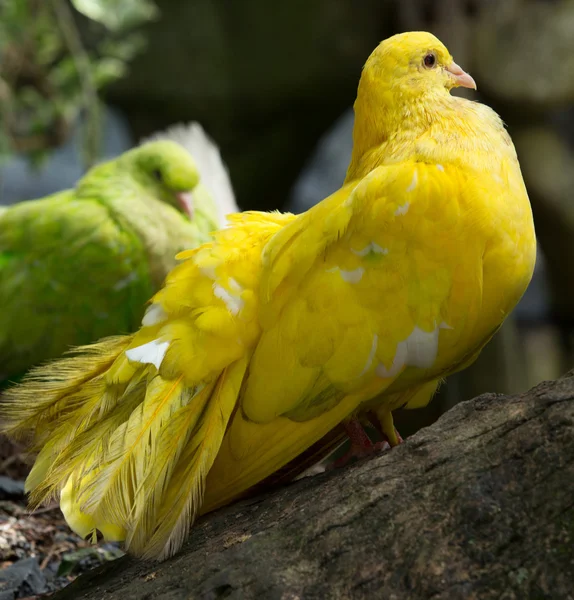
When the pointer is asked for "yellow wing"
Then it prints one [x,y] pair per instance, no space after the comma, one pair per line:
[354,299]
[130,427]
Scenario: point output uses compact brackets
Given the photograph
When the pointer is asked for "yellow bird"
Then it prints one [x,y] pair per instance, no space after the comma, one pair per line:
[283,327]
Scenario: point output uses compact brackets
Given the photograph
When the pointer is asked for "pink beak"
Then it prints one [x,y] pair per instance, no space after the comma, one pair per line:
[186,201]
[461,78]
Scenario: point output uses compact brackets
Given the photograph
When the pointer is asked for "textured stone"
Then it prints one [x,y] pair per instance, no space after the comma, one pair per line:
[22,579]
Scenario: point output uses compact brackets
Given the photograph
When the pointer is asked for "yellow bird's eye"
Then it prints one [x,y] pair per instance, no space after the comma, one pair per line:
[429,61]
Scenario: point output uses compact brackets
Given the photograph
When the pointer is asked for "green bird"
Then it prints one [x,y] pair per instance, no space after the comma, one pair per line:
[81,264]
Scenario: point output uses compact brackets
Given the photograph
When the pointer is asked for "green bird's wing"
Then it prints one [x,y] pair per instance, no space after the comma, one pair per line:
[69,274]
[81,264]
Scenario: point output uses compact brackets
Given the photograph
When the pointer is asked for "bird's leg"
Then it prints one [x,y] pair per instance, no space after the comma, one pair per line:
[383,423]
[361,444]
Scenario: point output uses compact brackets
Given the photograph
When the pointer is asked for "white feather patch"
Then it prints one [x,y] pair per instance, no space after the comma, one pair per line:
[371,355]
[418,350]
[403,209]
[233,302]
[154,315]
[414,182]
[353,276]
[440,167]
[371,248]
[422,347]
[399,361]
[151,353]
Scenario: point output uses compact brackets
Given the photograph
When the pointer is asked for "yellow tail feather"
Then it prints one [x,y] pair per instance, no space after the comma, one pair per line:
[68,456]
[183,493]
[141,476]
[170,444]
[56,403]
[51,393]
[116,473]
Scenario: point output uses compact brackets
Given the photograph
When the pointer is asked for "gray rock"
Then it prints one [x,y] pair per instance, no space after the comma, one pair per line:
[23,578]
[9,488]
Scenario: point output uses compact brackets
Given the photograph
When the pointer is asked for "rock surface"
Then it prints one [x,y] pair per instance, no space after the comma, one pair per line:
[480,505]
[22,579]
[10,488]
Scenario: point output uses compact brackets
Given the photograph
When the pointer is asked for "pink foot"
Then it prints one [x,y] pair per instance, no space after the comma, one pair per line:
[357,452]
[361,445]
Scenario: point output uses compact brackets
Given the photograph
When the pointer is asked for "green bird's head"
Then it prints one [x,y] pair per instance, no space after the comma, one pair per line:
[167,170]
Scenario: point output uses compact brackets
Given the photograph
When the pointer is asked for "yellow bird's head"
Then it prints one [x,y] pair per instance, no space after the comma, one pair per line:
[414,64]
[404,91]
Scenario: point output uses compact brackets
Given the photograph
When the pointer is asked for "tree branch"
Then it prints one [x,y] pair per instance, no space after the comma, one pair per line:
[479,505]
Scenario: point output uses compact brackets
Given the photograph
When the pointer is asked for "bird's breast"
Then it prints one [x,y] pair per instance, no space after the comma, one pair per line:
[465,265]
[496,265]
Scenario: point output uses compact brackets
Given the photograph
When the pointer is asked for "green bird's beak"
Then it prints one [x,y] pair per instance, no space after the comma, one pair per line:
[185,200]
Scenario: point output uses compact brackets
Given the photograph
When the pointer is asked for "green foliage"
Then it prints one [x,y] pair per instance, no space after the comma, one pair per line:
[91,556]
[55,58]
[117,16]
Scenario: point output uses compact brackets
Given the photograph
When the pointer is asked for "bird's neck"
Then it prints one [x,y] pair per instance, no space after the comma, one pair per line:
[443,129]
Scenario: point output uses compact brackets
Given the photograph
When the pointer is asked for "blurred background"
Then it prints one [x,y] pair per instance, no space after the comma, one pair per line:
[273,83]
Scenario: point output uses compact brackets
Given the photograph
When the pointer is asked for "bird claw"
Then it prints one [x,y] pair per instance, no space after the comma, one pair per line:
[356,452]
